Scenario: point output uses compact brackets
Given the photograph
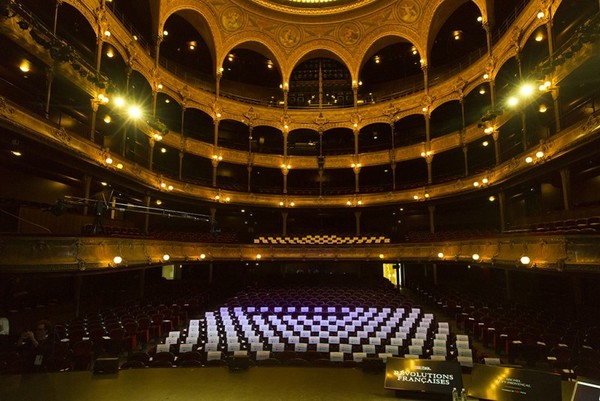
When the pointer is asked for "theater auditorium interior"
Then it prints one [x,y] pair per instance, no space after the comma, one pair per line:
[267,199]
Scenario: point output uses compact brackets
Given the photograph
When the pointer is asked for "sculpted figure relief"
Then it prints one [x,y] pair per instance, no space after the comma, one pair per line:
[232,19]
[409,11]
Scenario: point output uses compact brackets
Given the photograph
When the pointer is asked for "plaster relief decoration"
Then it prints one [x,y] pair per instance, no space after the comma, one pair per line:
[289,36]
[62,135]
[349,33]
[232,19]
[408,11]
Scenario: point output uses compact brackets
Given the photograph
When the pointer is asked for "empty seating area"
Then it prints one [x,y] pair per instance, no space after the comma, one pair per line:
[584,225]
[453,235]
[318,335]
[321,240]
[547,339]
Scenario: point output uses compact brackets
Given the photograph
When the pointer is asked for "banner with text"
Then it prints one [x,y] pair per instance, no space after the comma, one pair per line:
[499,383]
[422,375]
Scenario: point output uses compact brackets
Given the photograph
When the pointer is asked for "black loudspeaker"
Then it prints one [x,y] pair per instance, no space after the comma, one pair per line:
[106,366]
[373,365]
[238,363]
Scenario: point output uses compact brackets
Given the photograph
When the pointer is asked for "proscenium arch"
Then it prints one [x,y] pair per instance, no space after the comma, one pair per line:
[195,15]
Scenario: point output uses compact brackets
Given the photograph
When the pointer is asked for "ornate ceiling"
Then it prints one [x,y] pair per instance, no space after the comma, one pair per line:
[324,6]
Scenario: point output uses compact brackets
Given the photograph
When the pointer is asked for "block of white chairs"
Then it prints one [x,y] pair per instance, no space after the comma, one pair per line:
[163,348]
[358,356]
[257,346]
[437,357]
[396,341]
[262,355]
[440,336]
[191,340]
[439,343]
[421,336]
[174,334]
[368,348]
[273,339]
[300,347]
[439,351]
[374,341]
[415,349]
[171,340]
[392,349]
[384,356]
[240,353]
[185,348]
[462,344]
[211,347]
[462,337]
[231,347]
[213,355]
[381,334]
[417,341]
[411,356]
[293,339]
[345,348]
[465,361]
[354,340]
[422,330]
[443,330]
[277,347]
[322,347]
[465,352]
[334,340]
[336,356]
[400,335]
[194,323]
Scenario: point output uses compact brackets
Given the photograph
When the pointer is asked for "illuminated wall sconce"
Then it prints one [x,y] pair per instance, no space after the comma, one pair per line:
[217,157]
[440,255]
[492,198]
[529,159]
[486,76]
[475,256]
[108,160]
[541,15]
[525,260]
[120,166]
[117,260]
[166,257]
[202,256]
[258,256]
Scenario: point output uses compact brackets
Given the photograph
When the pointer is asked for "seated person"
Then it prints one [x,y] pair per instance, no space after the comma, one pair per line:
[36,347]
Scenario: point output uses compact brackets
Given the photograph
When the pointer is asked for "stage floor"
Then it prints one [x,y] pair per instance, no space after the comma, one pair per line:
[207,383]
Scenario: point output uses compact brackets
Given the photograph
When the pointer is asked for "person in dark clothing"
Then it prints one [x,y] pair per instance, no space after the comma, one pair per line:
[36,347]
